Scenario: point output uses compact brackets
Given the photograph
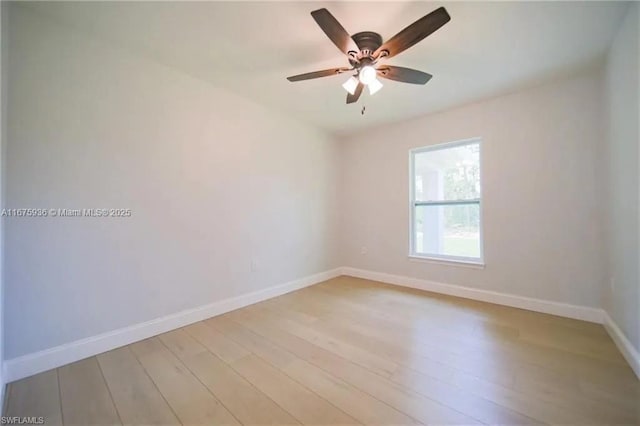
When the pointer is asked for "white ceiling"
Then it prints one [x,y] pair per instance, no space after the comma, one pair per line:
[250,47]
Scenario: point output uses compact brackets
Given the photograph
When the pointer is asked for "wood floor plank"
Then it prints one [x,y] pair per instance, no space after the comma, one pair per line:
[225,348]
[135,395]
[251,341]
[388,342]
[540,390]
[181,344]
[303,404]
[372,337]
[35,396]
[190,400]
[487,371]
[343,347]
[85,396]
[465,310]
[422,355]
[350,351]
[403,399]
[243,400]
[564,391]
[624,399]
[473,405]
[358,404]
[528,405]
[510,354]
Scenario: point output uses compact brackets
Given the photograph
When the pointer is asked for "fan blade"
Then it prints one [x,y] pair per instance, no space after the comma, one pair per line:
[415,32]
[317,74]
[405,75]
[356,95]
[336,32]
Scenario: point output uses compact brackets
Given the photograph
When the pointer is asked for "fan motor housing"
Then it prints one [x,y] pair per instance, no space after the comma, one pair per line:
[368,42]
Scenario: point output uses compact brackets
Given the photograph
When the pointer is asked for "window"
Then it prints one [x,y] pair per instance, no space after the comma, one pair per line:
[445,202]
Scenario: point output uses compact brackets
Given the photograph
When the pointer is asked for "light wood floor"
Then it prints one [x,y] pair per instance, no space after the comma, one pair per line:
[349,351]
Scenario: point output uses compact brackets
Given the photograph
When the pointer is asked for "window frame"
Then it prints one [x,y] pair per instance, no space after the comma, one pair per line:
[413,204]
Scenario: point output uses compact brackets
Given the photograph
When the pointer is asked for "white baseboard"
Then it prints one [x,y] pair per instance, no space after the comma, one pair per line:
[538,305]
[28,365]
[3,387]
[629,352]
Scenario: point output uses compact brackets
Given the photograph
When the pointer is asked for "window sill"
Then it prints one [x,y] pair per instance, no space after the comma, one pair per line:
[449,262]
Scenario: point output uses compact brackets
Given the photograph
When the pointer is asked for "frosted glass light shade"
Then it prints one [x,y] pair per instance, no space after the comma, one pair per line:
[350,85]
[367,74]
[374,86]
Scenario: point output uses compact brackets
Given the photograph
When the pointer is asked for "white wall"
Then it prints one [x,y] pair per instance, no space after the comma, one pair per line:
[213,181]
[541,219]
[620,192]
[3,75]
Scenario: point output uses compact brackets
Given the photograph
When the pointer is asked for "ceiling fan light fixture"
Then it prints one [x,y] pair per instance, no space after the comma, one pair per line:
[364,49]
[367,74]
[374,86]
[350,85]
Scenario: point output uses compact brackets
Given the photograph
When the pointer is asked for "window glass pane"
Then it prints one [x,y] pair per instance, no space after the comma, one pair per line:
[452,230]
[447,173]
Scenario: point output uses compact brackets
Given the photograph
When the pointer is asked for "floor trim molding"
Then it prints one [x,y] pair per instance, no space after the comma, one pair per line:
[584,313]
[3,388]
[30,364]
[628,350]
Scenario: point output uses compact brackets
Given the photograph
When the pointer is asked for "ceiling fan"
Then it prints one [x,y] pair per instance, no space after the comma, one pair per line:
[365,49]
